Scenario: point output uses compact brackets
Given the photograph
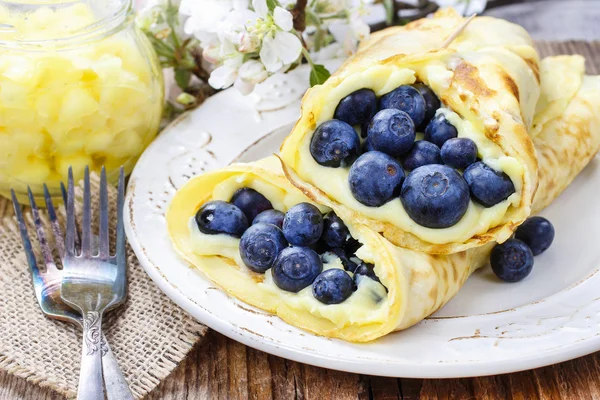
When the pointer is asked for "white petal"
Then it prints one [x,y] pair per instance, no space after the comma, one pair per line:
[329,52]
[288,46]
[222,77]
[187,6]
[283,18]
[260,6]
[243,86]
[212,54]
[268,55]
[253,71]
[360,28]
[350,44]
[234,60]
[239,4]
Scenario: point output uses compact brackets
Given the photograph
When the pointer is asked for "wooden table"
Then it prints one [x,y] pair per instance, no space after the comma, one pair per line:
[219,368]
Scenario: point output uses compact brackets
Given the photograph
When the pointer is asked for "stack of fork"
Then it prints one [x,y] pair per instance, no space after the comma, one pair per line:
[86,283]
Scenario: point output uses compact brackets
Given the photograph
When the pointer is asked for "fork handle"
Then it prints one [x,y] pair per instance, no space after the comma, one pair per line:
[91,385]
[116,385]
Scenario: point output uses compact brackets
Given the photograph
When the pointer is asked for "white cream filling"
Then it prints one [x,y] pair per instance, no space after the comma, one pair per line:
[334,181]
[368,304]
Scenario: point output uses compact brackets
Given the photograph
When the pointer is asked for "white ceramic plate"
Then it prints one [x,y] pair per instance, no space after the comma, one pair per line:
[489,328]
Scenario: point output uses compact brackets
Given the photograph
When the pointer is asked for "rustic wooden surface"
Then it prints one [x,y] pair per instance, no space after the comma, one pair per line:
[219,368]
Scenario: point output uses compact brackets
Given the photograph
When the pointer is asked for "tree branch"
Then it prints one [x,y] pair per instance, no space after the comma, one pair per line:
[299,15]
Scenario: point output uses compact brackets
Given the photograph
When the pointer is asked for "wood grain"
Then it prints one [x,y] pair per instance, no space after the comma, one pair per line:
[219,368]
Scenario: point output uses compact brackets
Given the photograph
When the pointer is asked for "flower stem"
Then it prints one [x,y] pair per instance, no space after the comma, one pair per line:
[299,15]
[306,55]
[319,35]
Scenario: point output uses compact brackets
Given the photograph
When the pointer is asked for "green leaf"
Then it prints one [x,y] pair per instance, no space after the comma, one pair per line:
[182,77]
[318,75]
[272,4]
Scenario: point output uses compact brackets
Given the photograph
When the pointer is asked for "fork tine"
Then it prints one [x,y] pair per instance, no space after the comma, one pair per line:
[65,199]
[58,237]
[121,262]
[70,204]
[63,191]
[41,233]
[35,272]
[104,243]
[86,224]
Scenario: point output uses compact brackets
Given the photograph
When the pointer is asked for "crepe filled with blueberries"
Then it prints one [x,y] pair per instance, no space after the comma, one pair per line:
[424,141]
[285,250]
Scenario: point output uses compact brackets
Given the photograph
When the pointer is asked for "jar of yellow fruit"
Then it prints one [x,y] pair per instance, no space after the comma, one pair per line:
[79,86]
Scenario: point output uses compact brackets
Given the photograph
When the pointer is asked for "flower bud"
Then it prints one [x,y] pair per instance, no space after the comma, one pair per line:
[253,71]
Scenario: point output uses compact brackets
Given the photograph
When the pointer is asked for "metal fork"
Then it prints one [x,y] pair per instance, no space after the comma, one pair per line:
[47,284]
[93,283]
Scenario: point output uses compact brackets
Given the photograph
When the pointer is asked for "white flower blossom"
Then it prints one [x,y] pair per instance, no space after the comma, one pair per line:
[329,52]
[207,18]
[253,71]
[249,74]
[243,77]
[358,26]
[246,41]
[245,44]
[280,48]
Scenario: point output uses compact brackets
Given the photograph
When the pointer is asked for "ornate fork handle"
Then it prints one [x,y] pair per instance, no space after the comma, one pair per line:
[114,381]
[91,385]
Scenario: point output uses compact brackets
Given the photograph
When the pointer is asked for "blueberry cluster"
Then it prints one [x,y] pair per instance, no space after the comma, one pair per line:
[292,245]
[512,260]
[443,171]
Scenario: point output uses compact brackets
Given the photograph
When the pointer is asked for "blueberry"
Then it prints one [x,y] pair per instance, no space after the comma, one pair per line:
[432,103]
[435,196]
[333,286]
[344,257]
[335,231]
[250,202]
[356,108]
[320,247]
[352,245]
[221,217]
[364,128]
[303,224]
[335,144]
[296,268]
[392,132]
[273,217]
[367,269]
[537,233]
[375,178]
[260,245]
[459,152]
[488,186]
[512,260]
[422,153]
[439,130]
[408,99]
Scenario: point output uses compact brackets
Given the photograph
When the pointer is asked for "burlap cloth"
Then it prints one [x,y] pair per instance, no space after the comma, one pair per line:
[149,335]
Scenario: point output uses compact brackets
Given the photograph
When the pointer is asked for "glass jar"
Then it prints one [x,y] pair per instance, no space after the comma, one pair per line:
[80,86]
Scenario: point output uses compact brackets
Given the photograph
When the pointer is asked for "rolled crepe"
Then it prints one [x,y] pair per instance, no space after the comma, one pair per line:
[488,82]
[417,283]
